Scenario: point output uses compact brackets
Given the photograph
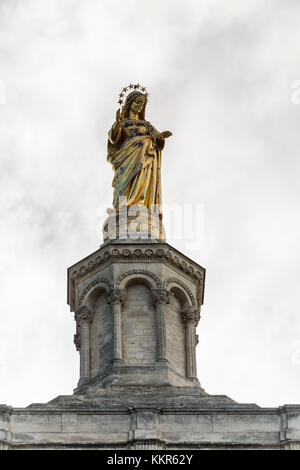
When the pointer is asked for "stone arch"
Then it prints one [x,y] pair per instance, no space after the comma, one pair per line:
[147,277]
[182,288]
[93,290]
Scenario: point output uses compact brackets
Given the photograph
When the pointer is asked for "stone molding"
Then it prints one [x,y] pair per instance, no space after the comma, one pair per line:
[188,291]
[142,272]
[95,283]
[163,254]
[138,254]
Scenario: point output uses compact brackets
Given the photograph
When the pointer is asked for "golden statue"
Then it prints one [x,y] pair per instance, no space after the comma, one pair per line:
[134,150]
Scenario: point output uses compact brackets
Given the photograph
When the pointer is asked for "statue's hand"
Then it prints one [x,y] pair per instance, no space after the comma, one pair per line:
[119,117]
[164,135]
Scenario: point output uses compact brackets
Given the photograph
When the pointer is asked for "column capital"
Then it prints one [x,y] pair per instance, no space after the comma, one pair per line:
[190,315]
[83,315]
[116,296]
[160,296]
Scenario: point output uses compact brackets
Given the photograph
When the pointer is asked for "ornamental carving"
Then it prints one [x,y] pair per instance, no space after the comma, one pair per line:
[83,316]
[190,315]
[148,254]
[116,296]
[163,253]
[160,296]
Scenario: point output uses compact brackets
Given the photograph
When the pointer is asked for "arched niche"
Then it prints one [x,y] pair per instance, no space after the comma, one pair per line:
[101,329]
[138,322]
[175,330]
[180,295]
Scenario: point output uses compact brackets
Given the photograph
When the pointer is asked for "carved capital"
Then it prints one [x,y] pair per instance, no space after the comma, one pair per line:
[160,296]
[83,316]
[116,296]
[190,315]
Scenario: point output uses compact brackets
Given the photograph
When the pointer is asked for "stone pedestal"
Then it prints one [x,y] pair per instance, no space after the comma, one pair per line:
[134,223]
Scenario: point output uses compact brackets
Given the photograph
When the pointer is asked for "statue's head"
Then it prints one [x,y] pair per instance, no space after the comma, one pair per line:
[135,101]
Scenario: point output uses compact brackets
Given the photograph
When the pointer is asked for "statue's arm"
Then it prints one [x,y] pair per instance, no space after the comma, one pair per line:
[114,134]
[116,130]
[159,137]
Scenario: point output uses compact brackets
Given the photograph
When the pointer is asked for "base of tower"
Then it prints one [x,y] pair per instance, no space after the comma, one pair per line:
[141,376]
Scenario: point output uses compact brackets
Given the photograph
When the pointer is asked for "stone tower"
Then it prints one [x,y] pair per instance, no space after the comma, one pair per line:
[137,304]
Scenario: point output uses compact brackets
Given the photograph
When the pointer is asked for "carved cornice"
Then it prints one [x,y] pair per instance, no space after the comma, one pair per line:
[145,254]
[116,296]
[83,316]
[137,254]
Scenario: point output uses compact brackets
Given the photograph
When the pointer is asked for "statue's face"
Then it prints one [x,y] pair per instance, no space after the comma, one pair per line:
[138,104]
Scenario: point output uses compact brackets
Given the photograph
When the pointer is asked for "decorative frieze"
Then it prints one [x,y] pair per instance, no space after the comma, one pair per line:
[154,255]
[162,253]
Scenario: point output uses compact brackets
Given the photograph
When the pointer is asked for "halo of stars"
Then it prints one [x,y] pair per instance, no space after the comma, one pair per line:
[128,89]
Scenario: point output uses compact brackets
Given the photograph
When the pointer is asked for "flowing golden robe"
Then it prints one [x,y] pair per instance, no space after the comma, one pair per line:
[135,155]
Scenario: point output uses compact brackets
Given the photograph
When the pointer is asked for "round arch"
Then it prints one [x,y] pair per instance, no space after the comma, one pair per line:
[150,279]
[93,290]
[184,294]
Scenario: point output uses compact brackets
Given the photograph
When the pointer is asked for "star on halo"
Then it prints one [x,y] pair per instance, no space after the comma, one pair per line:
[135,87]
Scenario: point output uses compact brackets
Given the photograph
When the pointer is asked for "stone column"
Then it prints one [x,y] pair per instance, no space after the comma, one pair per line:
[161,298]
[83,317]
[190,317]
[116,297]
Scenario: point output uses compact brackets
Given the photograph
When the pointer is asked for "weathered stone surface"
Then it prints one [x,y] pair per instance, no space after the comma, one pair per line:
[138,327]
[136,308]
[145,304]
[158,417]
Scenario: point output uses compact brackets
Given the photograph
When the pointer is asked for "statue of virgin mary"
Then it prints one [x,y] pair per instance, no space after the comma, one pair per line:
[134,150]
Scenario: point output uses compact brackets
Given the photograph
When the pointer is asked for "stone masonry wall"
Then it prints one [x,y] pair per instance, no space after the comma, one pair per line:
[101,334]
[175,333]
[138,327]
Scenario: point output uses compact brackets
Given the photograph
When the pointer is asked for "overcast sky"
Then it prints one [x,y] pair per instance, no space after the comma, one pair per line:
[220,77]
